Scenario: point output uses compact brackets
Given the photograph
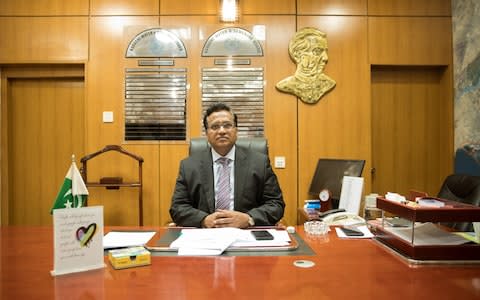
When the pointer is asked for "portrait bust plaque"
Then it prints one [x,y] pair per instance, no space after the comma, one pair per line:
[308,49]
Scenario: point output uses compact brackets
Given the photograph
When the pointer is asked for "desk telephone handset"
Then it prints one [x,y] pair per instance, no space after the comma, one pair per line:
[340,217]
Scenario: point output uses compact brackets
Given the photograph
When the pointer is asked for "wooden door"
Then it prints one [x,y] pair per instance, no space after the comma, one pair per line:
[412,129]
[45,126]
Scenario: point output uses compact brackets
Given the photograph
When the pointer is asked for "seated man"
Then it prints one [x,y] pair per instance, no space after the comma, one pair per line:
[226,185]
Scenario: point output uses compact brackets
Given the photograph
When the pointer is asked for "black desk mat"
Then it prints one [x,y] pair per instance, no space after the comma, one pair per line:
[303,248]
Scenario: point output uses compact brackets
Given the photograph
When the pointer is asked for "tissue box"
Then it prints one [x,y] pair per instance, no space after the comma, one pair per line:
[129,257]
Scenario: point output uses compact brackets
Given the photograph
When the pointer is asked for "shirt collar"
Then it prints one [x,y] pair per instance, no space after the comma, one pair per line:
[230,154]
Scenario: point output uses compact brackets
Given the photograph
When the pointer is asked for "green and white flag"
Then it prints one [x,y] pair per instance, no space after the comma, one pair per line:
[73,192]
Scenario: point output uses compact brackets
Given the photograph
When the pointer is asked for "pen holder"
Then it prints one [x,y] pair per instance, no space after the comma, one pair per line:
[316,228]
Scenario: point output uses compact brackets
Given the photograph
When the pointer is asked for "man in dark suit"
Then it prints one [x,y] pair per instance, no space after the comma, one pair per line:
[252,195]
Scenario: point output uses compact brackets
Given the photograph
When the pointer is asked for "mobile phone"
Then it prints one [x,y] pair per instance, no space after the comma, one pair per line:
[261,235]
[351,232]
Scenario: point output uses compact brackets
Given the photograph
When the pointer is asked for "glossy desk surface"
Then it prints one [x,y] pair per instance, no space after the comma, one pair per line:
[344,269]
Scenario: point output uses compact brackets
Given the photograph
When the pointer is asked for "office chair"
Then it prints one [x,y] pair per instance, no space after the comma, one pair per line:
[200,144]
[256,143]
[462,188]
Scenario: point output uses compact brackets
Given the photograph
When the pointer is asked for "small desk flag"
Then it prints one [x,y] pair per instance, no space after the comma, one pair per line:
[73,192]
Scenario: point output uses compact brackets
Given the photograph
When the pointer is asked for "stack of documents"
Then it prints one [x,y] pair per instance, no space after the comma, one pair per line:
[427,234]
[214,241]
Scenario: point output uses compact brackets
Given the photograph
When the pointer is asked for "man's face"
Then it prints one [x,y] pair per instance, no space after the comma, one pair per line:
[221,131]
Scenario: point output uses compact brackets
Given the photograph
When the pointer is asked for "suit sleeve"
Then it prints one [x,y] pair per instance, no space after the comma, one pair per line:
[183,209]
[272,206]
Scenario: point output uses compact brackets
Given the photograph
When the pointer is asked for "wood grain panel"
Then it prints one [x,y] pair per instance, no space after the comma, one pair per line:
[410,7]
[124,7]
[338,126]
[43,8]
[412,129]
[45,127]
[105,92]
[43,39]
[121,206]
[265,7]
[170,156]
[280,108]
[331,7]
[188,7]
[410,40]
[195,34]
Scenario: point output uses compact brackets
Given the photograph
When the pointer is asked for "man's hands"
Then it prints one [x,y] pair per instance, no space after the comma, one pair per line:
[226,218]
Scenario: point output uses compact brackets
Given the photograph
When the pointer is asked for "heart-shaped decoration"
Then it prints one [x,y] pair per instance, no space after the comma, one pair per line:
[85,234]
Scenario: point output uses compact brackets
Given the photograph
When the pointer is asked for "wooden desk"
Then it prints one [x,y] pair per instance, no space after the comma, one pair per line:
[344,269]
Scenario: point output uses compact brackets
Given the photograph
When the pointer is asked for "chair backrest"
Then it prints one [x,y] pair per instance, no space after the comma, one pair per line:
[255,143]
[462,188]
[116,182]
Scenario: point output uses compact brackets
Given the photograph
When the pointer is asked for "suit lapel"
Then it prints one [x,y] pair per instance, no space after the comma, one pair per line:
[241,167]
[206,169]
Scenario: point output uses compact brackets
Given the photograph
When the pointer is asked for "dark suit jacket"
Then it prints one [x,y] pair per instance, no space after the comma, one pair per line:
[257,191]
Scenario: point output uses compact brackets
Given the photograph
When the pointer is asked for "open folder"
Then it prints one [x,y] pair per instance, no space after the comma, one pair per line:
[214,241]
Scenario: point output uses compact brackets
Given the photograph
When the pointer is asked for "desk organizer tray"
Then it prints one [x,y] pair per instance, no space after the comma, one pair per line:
[452,211]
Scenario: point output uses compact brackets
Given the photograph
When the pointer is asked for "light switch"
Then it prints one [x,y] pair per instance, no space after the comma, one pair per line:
[108,117]
[280,162]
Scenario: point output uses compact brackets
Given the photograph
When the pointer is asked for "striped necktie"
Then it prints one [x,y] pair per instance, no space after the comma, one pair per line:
[223,184]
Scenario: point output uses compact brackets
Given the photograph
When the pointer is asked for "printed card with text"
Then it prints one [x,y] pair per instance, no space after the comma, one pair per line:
[78,239]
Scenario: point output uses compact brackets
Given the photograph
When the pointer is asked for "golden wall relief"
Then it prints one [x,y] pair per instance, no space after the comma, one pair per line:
[308,49]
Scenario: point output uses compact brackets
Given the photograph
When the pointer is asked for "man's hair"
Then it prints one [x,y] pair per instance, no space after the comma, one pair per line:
[216,108]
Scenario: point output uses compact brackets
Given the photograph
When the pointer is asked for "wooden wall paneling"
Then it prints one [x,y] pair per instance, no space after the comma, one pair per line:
[44,8]
[412,129]
[109,39]
[170,156]
[106,74]
[151,189]
[331,7]
[410,7]
[188,7]
[280,108]
[121,206]
[40,110]
[124,7]
[193,40]
[410,40]
[30,72]
[448,135]
[338,126]
[43,39]
[265,7]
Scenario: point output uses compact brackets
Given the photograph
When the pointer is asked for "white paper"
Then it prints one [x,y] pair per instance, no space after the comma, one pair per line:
[351,194]
[214,241]
[205,241]
[78,234]
[364,229]
[428,234]
[246,239]
[120,239]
